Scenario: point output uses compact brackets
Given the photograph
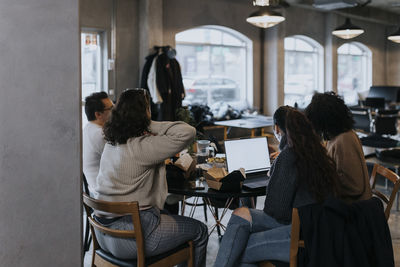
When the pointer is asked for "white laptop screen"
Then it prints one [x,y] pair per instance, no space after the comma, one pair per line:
[251,154]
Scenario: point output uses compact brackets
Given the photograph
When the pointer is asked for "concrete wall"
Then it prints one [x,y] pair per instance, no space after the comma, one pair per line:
[98,14]
[40,158]
[392,60]
[160,20]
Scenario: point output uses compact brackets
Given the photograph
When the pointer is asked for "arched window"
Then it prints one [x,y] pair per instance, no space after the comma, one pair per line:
[354,71]
[303,70]
[217,65]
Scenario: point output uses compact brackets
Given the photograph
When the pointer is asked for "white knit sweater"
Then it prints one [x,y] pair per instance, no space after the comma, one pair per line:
[135,171]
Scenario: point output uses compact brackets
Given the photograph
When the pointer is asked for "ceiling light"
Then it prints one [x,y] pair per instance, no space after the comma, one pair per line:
[265,17]
[347,30]
[265,2]
[395,37]
[261,2]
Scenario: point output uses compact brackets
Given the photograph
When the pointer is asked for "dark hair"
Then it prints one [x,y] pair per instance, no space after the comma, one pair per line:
[280,117]
[329,115]
[94,104]
[314,167]
[129,118]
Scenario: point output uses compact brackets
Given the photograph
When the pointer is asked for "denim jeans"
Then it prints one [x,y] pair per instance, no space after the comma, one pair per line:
[248,242]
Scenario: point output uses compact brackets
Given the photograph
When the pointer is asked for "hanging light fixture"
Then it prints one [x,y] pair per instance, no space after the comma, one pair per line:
[395,37]
[265,17]
[261,2]
[347,30]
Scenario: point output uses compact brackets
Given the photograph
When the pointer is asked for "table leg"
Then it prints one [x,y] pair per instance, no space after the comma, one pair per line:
[183,206]
[193,208]
[253,205]
[253,134]
[218,219]
[225,132]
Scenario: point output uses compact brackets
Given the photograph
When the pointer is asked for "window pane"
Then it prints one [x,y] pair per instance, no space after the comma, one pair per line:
[303,46]
[302,74]
[213,72]
[193,36]
[352,72]
[91,66]
[91,63]
[344,49]
[289,43]
[228,39]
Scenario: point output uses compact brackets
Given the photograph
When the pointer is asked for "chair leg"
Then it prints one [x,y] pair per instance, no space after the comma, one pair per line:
[86,243]
[218,228]
[205,209]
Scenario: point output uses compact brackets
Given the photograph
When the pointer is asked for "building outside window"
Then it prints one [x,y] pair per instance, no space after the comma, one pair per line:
[303,70]
[354,71]
[217,66]
[93,70]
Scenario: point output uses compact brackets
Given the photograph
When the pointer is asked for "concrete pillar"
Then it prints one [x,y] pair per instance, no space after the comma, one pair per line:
[40,155]
[273,68]
[392,60]
[330,53]
[150,26]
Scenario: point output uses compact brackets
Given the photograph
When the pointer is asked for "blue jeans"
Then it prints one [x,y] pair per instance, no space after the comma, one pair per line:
[248,242]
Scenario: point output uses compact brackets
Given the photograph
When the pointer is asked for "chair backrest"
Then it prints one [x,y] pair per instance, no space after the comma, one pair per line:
[362,118]
[295,242]
[85,185]
[386,121]
[392,177]
[117,208]
[375,102]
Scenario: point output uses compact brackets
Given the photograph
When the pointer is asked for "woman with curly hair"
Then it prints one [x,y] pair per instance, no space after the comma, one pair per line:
[302,174]
[333,120]
[132,169]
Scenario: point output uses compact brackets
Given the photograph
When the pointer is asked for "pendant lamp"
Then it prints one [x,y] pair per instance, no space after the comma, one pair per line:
[265,17]
[347,30]
[261,2]
[395,37]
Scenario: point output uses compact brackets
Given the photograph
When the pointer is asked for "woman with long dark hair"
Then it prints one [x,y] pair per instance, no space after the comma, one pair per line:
[132,169]
[333,120]
[302,174]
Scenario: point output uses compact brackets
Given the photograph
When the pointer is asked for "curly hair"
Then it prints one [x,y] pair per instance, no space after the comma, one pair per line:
[314,167]
[129,118]
[329,115]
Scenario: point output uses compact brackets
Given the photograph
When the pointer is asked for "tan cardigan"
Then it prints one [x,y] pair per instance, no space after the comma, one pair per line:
[135,171]
[346,151]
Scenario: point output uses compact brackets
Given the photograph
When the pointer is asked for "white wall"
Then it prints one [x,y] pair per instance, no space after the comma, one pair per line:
[40,221]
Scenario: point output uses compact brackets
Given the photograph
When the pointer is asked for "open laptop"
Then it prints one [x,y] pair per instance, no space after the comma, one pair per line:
[252,155]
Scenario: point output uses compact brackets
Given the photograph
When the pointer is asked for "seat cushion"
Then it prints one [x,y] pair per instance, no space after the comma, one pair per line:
[133,262]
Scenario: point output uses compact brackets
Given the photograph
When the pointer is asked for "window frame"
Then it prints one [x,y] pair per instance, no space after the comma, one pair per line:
[366,57]
[247,93]
[318,56]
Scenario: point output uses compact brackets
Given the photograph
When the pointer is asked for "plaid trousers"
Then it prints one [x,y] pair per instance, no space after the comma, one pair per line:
[161,233]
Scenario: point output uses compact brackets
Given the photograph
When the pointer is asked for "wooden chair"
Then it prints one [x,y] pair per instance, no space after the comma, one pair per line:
[87,239]
[295,244]
[101,258]
[392,177]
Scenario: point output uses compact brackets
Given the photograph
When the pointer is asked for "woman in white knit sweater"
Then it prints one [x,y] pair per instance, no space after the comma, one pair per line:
[132,169]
